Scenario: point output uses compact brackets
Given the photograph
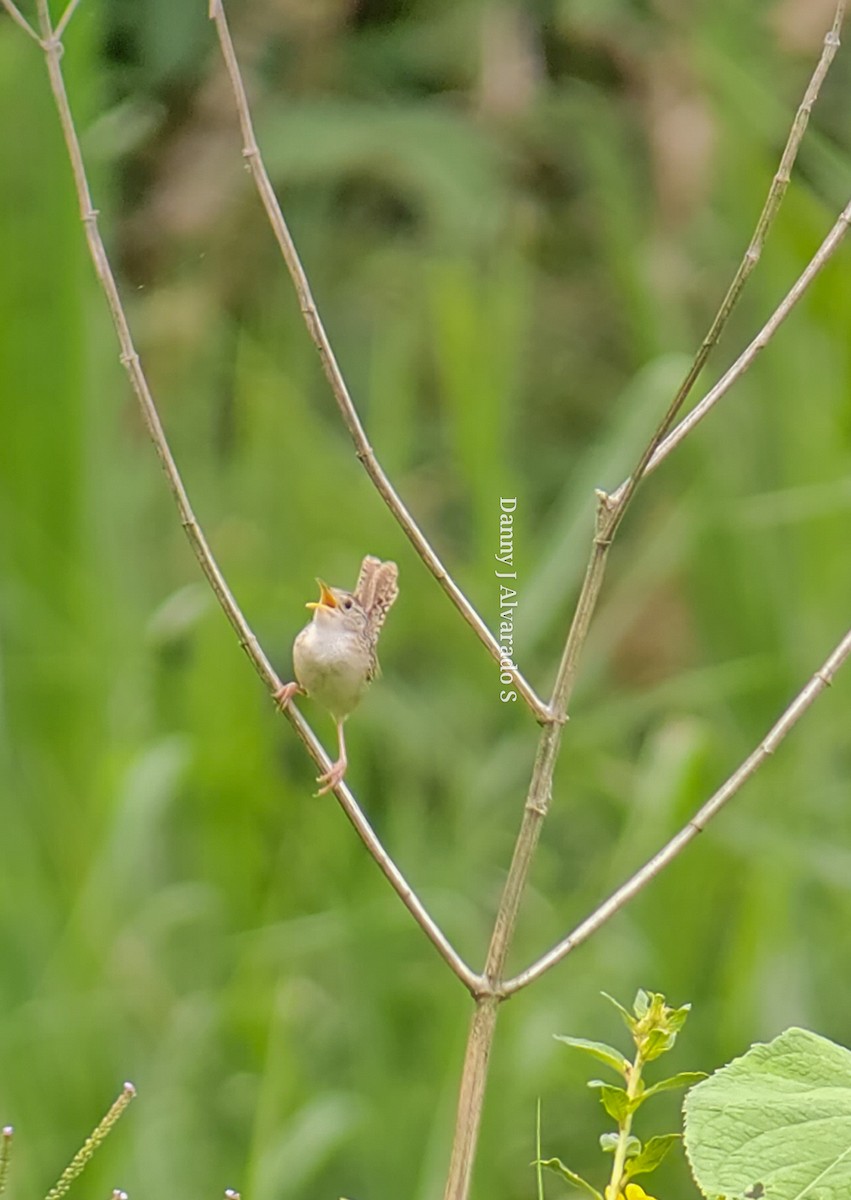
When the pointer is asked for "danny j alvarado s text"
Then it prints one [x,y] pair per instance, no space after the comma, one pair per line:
[507,596]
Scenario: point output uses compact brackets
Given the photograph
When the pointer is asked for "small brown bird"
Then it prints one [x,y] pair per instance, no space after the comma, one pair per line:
[334,656]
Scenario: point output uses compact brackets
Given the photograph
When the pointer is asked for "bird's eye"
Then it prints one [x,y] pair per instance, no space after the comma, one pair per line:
[347,603]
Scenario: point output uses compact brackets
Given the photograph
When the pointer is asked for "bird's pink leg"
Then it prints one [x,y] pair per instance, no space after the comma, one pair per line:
[335,774]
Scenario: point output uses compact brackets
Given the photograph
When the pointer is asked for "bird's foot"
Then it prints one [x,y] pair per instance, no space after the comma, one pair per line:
[284,694]
[332,777]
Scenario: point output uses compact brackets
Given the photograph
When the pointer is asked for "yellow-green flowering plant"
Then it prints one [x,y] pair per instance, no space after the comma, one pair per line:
[653,1026]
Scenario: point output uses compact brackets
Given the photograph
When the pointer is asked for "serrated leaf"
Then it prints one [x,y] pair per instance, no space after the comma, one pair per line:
[681,1079]
[655,1149]
[614,1100]
[629,1019]
[599,1050]
[778,1117]
[556,1165]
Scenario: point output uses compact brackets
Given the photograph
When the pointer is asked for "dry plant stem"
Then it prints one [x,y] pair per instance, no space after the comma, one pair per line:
[62,23]
[651,458]
[611,510]
[19,19]
[610,513]
[53,52]
[483,1026]
[817,684]
[825,251]
[330,366]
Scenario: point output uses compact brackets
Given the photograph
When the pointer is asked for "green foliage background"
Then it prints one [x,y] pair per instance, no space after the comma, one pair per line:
[518,219]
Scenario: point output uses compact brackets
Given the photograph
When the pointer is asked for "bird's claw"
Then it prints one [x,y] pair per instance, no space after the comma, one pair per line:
[285,693]
[332,777]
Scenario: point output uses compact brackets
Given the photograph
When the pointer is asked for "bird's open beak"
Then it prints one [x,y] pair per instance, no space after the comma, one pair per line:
[326,597]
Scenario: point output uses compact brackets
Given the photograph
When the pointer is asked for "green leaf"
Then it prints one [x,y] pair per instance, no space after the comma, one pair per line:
[629,1019]
[657,1043]
[677,1017]
[778,1117]
[641,1003]
[609,1144]
[681,1079]
[613,1099]
[599,1050]
[556,1165]
[655,1149]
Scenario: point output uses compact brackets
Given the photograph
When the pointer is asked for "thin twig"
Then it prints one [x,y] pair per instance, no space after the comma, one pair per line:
[64,20]
[334,375]
[817,684]
[825,251]
[19,18]
[770,208]
[129,357]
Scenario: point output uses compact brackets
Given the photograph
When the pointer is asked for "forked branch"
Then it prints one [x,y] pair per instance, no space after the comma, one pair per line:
[610,513]
[790,717]
[490,988]
[770,208]
[52,48]
[824,253]
[334,375]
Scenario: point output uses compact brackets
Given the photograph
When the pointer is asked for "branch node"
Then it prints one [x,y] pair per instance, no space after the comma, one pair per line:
[52,46]
[551,716]
[485,988]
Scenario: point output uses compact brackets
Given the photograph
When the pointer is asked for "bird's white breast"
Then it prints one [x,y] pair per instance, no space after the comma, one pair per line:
[331,664]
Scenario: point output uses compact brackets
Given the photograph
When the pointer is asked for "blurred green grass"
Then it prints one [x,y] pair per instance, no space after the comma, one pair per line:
[512,293]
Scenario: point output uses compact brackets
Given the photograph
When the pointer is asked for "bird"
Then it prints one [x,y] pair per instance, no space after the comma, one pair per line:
[334,656]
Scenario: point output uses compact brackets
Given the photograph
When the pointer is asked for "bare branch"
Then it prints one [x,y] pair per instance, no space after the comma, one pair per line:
[817,684]
[610,513]
[65,19]
[620,499]
[825,251]
[611,510]
[334,375]
[19,18]
[130,359]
